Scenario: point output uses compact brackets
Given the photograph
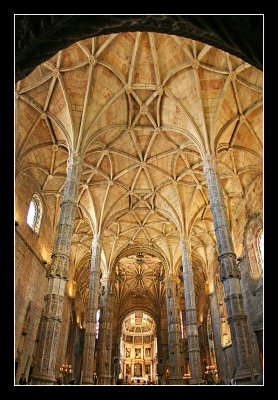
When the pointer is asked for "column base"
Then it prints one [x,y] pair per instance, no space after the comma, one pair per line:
[195,382]
[247,378]
[87,382]
[43,380]
[104,380]
[175,381]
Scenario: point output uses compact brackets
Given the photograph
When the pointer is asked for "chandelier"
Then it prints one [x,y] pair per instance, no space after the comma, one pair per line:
[139,258]
[66,372]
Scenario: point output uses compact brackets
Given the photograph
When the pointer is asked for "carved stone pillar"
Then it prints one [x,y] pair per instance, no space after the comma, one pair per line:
[160,355]
[90,336]
[230,277]
[174,332]
[191,314]
[216,326]
[105,333]
[44,368]
[72,336]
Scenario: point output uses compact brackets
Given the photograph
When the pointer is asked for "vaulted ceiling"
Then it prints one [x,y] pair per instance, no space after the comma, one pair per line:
[142,109]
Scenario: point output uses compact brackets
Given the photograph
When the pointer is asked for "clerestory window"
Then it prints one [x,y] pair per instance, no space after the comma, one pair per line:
[34,214]
[97,323]
[261,248]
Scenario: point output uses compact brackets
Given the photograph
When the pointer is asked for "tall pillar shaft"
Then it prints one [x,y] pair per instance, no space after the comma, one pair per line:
[71,344]
[174,332]
[90,335]
[105,333]
[160,355]
[44,368]
[230,277]
[191,314]
[216,326]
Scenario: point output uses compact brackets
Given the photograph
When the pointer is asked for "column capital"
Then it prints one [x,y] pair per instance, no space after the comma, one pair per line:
[97,240]
[171,278]
[75,158]
[209,159]
[185,243]
[185,239]
[209,163]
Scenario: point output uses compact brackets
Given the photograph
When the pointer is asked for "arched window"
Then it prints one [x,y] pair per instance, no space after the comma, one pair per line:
[254,246]
[97,323]
[34,214]
[261,248]
[182,334]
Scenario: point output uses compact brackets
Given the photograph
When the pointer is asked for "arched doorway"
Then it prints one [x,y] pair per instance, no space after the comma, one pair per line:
[138,348]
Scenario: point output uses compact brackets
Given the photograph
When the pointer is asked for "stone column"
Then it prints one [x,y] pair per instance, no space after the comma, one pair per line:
[174,332]
[230,277]
[105,333]
[90,335]
[215,321]
[191,314]
[44,368]
[72,335]
[160,355]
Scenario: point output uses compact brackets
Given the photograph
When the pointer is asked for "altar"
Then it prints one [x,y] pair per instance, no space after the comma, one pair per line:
[138,349]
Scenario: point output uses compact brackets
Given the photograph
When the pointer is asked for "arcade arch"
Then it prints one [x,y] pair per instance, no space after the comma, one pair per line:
[138,348]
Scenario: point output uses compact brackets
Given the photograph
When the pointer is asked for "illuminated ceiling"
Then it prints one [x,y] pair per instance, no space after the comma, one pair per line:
[138,322]
[142,108]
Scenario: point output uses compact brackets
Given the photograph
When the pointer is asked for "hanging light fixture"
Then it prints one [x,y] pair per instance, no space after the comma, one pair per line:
[139,258]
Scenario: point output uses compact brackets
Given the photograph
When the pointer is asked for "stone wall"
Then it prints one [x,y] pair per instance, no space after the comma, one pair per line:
[30,284]
[31,251]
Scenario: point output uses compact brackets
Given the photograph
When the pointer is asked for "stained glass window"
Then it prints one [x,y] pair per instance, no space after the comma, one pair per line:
[97,324]
[261,248]
[181,325]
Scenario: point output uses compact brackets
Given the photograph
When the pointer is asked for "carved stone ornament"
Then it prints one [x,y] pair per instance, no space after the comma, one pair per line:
[195,63]
[143,109]
[159,90]
[55,72]
[92,60]
[44,369]
[228,266]
[232,76]
[128,89]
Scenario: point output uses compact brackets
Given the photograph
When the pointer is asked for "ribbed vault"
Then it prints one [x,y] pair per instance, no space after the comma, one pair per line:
[142,109]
